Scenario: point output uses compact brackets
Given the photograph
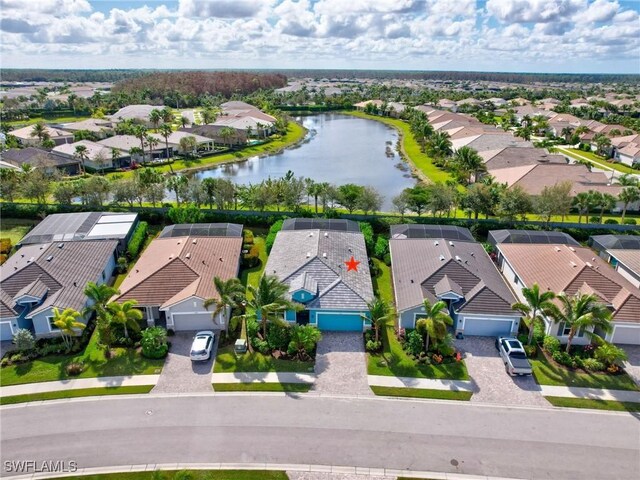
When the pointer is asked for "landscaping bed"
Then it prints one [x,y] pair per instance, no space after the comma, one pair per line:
[227,361]
[421,393]
[189,475]
[262,387]
[81,392]
[613,405]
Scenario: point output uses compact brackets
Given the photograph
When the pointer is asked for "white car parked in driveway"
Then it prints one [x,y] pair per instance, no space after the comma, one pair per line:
[513,355]
[202,345]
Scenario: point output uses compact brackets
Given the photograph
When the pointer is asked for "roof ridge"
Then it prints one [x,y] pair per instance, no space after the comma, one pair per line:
[155,272]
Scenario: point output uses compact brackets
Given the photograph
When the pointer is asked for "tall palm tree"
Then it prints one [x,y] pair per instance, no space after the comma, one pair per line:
[184,121]
[607,202]
[227,133]
[155,116]
[125,314]
[378,314]
[470,161]
[628,195]
[524,132]
[269,298]
[582,201]
[152,142]
[82,154]
[231,293]
[434,323]
[140,131]
[177,183]
[535,304]
[567,132]
[99,296]
[166,130]
[439,145]
[581,312]
[167,115]
[39,130]
[627,180]
[67,322]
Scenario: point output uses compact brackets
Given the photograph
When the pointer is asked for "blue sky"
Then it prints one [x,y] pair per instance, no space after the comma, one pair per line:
[600,36]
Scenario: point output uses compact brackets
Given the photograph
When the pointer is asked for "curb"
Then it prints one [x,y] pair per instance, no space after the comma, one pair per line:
[335,469]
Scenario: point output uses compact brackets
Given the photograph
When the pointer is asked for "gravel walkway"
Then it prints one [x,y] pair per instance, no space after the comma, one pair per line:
[493,384]
[341,364]
[180,374]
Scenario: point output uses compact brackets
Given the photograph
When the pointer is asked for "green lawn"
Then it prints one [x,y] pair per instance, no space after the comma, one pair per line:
[15,228]
[83,392]
[15,124]
[547,373]
[52,367]
[595,404]
[421,393]
[227,361]
[190,475]
[295,133]
[597,159]
[262,387]
[394,361]
[251,276]
[410,147]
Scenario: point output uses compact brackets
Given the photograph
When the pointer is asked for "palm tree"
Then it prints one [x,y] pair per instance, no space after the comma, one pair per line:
[226,134]
[567,132]
[125,314]
[140,132]
[582,201]
[607,202]
[39,130]
[66,321]
[628,195]
[166,131]
[378,314]
[524,132]
[535,304]
[269,298]
[184,121]
[439,145]
[581,312]
[152,142]
[177,183]
[434,323]
[99,296]
[82,154]
[628,180]
[231,293]
[167,115]
[303,339]
[470,161]
[154,117]
[602,142]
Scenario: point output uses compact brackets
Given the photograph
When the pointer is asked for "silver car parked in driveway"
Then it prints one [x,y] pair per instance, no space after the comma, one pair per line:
[202,345]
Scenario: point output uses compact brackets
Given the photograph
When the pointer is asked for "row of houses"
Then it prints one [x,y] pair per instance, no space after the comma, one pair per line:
[325,265]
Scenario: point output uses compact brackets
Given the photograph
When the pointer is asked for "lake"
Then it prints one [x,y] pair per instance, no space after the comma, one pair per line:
[338,149]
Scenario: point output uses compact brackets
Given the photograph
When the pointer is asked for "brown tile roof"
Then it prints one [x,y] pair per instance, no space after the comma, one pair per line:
[518,156]
[422,267]
[628,257]
[562,268]
[534,181]
[173,269]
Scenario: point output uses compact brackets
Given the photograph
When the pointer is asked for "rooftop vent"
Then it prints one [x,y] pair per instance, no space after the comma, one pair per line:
[557,249]
[49,258]
[31,260]
[572,249]
[411,280]
[308,254]
[60,245]
[441,258]
[311,234]
[326,234]
[221,259]
[171,256]
[179,241]
[450,243]
[458,259]
[188,255]
[589,264]
[324,255]
[194,241]
[573,264]
[75,284]
[203,262]
[436,243]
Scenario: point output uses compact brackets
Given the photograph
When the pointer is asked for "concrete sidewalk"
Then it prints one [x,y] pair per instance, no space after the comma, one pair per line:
[263,377]
[590,393]
[78,383]
[426,383]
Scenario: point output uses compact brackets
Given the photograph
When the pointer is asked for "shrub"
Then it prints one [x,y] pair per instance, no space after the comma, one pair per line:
[154,342]
[594,219]
[610,354]
[593,365]
[278,336]
[3,258]
[367,231]
[563,358]
[630,221]
[137,240]
[247,237]
[531,350]
[273,231]
[251,259]
[611,221]
[538,332]
[5,245]
[373,346]
[381,247]
[74,369]
[551,344]
[445,346]
[252,327]
[23,340]
[414,344]
[260,345]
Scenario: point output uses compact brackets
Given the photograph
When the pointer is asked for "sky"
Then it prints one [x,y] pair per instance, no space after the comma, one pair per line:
[574,36]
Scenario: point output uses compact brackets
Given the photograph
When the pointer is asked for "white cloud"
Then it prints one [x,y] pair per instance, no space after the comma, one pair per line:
[536,11]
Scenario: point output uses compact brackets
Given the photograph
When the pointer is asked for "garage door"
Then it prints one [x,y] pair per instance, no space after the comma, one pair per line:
[340,322]
[193,321]
[5,331]
[486,327]
[626,335]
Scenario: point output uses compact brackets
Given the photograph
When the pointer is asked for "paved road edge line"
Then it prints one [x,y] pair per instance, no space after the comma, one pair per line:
[364,471]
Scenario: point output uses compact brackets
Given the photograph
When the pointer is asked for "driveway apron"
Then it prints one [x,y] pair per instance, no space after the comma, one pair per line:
[180,374]
[493,384]
[341,364]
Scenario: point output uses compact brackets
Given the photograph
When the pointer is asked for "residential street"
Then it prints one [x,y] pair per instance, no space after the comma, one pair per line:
[375,433]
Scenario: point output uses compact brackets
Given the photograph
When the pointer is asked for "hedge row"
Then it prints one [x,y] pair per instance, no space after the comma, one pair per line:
[137,240]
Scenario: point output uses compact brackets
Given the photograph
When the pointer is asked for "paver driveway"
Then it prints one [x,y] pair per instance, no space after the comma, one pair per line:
[632,365]
[180,374]
[492,382]
[341,364]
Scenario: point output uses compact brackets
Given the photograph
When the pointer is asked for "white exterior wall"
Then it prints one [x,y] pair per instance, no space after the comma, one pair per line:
[407,319]
[626,159]
[628,274]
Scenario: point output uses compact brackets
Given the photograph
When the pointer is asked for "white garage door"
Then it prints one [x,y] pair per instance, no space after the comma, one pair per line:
[5,331]
[486,327]
[626,335]
[193,321]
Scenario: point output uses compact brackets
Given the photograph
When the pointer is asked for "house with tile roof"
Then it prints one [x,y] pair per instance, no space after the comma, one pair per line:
[39,158]
[28,139]
[622,252]
[572,269]
[449,265]
[326,267]
[174,276]
[43,276]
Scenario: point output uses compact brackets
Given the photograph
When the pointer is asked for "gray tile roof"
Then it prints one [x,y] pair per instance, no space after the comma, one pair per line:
[304,282]
[422,268]
[322,255]
[36,289]
[63,271]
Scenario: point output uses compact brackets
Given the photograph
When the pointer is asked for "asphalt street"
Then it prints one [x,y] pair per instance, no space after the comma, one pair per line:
[364,432]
